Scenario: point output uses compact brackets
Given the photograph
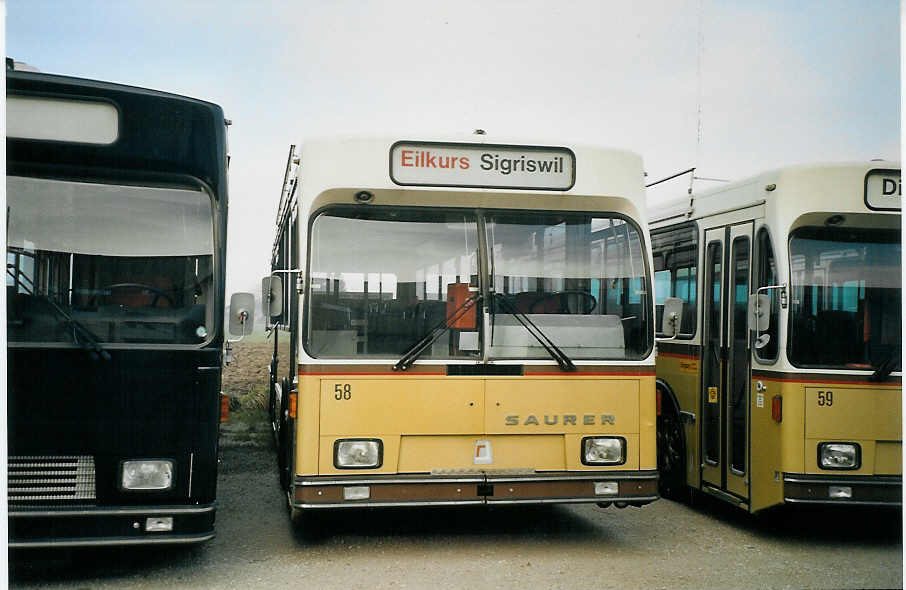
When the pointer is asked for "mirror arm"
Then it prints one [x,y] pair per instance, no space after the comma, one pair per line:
[673,322]
[243,318]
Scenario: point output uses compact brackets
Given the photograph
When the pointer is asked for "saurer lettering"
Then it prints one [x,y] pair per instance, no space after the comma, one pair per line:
[565,419]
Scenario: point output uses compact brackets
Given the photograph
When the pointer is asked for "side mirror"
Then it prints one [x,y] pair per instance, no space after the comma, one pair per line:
[274,306]
[242,314]
[673,315]
[759,312]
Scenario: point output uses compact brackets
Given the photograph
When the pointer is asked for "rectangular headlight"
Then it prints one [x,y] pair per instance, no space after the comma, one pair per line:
[358,453]
[839,456]
[147,474]
[603,450]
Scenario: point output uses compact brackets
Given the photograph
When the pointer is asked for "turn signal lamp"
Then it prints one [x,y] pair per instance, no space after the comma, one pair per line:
[607,488]
[777,408]
[224,408]
[293,401]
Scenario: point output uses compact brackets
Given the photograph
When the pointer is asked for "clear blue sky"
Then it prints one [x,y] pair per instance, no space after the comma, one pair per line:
[776,82]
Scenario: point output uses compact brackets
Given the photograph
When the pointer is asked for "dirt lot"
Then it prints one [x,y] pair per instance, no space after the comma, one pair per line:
[245,379]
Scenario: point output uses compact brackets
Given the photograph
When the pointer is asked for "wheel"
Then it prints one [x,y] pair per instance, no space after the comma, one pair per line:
[587,304]
[306,524]
[671,453]
[272,394]
[284,440]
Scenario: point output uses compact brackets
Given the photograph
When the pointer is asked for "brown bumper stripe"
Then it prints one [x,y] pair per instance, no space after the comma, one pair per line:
[638,486]
[879,490]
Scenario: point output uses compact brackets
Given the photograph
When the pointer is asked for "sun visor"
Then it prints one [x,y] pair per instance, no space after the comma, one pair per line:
[107,220]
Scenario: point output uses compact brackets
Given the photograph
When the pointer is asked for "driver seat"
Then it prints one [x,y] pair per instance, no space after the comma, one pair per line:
[139,297]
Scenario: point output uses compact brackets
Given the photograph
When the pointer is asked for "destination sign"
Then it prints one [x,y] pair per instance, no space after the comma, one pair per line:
[883,190]
[54,119]
[482,166]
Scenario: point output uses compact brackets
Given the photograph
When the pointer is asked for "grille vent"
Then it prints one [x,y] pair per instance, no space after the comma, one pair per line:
[50,480]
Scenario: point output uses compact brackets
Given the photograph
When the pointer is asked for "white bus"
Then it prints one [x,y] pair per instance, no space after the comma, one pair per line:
[462,321]
[793,395]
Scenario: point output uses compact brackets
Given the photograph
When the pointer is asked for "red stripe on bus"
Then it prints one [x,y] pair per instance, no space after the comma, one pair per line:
[828,381]
[400,373]
[676,355]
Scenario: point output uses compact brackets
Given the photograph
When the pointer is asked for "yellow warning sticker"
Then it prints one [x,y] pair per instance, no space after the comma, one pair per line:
[712,395]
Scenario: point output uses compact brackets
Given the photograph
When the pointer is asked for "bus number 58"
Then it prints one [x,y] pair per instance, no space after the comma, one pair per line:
[342,391]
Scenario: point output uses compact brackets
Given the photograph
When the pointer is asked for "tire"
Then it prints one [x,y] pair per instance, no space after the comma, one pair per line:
[306,524]
[272,393]
[284,438]
[671,455]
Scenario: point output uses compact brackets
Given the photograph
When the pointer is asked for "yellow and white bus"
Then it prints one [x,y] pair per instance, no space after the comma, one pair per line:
[462,322]
[778,369]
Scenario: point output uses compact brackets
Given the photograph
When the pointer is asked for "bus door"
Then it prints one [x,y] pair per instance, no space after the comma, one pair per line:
[725,366]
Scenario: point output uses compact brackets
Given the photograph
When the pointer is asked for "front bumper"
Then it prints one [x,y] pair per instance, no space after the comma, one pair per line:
[95,526]
[635,487]
[873,490]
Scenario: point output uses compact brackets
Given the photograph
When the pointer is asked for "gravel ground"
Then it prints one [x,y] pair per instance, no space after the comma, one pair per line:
[664,545]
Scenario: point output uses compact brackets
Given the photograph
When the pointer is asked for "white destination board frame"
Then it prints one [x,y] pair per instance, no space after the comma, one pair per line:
[62,119]
[481,165]
[883,190]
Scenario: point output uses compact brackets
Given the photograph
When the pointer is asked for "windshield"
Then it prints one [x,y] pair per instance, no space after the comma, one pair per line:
[580,278]
[846,304]
[127,264]
[380,280]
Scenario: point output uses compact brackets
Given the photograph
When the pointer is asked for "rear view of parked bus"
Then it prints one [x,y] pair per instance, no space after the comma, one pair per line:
[779,378]
[462,323]
[116,217]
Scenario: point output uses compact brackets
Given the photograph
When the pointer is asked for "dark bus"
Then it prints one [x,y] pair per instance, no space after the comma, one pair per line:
[115,264]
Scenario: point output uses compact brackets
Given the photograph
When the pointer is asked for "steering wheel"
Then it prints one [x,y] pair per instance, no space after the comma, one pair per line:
[587,304]
[158,293]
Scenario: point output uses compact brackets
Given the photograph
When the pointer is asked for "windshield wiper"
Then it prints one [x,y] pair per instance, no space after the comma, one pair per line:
[558,355]
[89,340]
[886,367]
[436,332]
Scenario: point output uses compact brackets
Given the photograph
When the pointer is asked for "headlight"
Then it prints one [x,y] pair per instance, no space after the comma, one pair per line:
[358,453]
[152,475]
[603,450]
[839,456]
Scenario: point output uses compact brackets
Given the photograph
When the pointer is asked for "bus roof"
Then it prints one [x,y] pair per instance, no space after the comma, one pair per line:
[151,134]
[793,190]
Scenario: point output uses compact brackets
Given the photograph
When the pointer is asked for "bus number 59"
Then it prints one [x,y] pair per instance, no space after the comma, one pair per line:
[825,398]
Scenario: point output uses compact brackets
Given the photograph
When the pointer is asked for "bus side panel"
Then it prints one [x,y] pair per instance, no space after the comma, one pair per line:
[307,425]
[647,424]
[792,424]
[765,477]
[681,373]
[574,407]
[869,416]
[401,405]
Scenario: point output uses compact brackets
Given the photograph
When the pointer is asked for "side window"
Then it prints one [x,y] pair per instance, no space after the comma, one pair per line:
[767,275]
[281,262]
[675,251]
